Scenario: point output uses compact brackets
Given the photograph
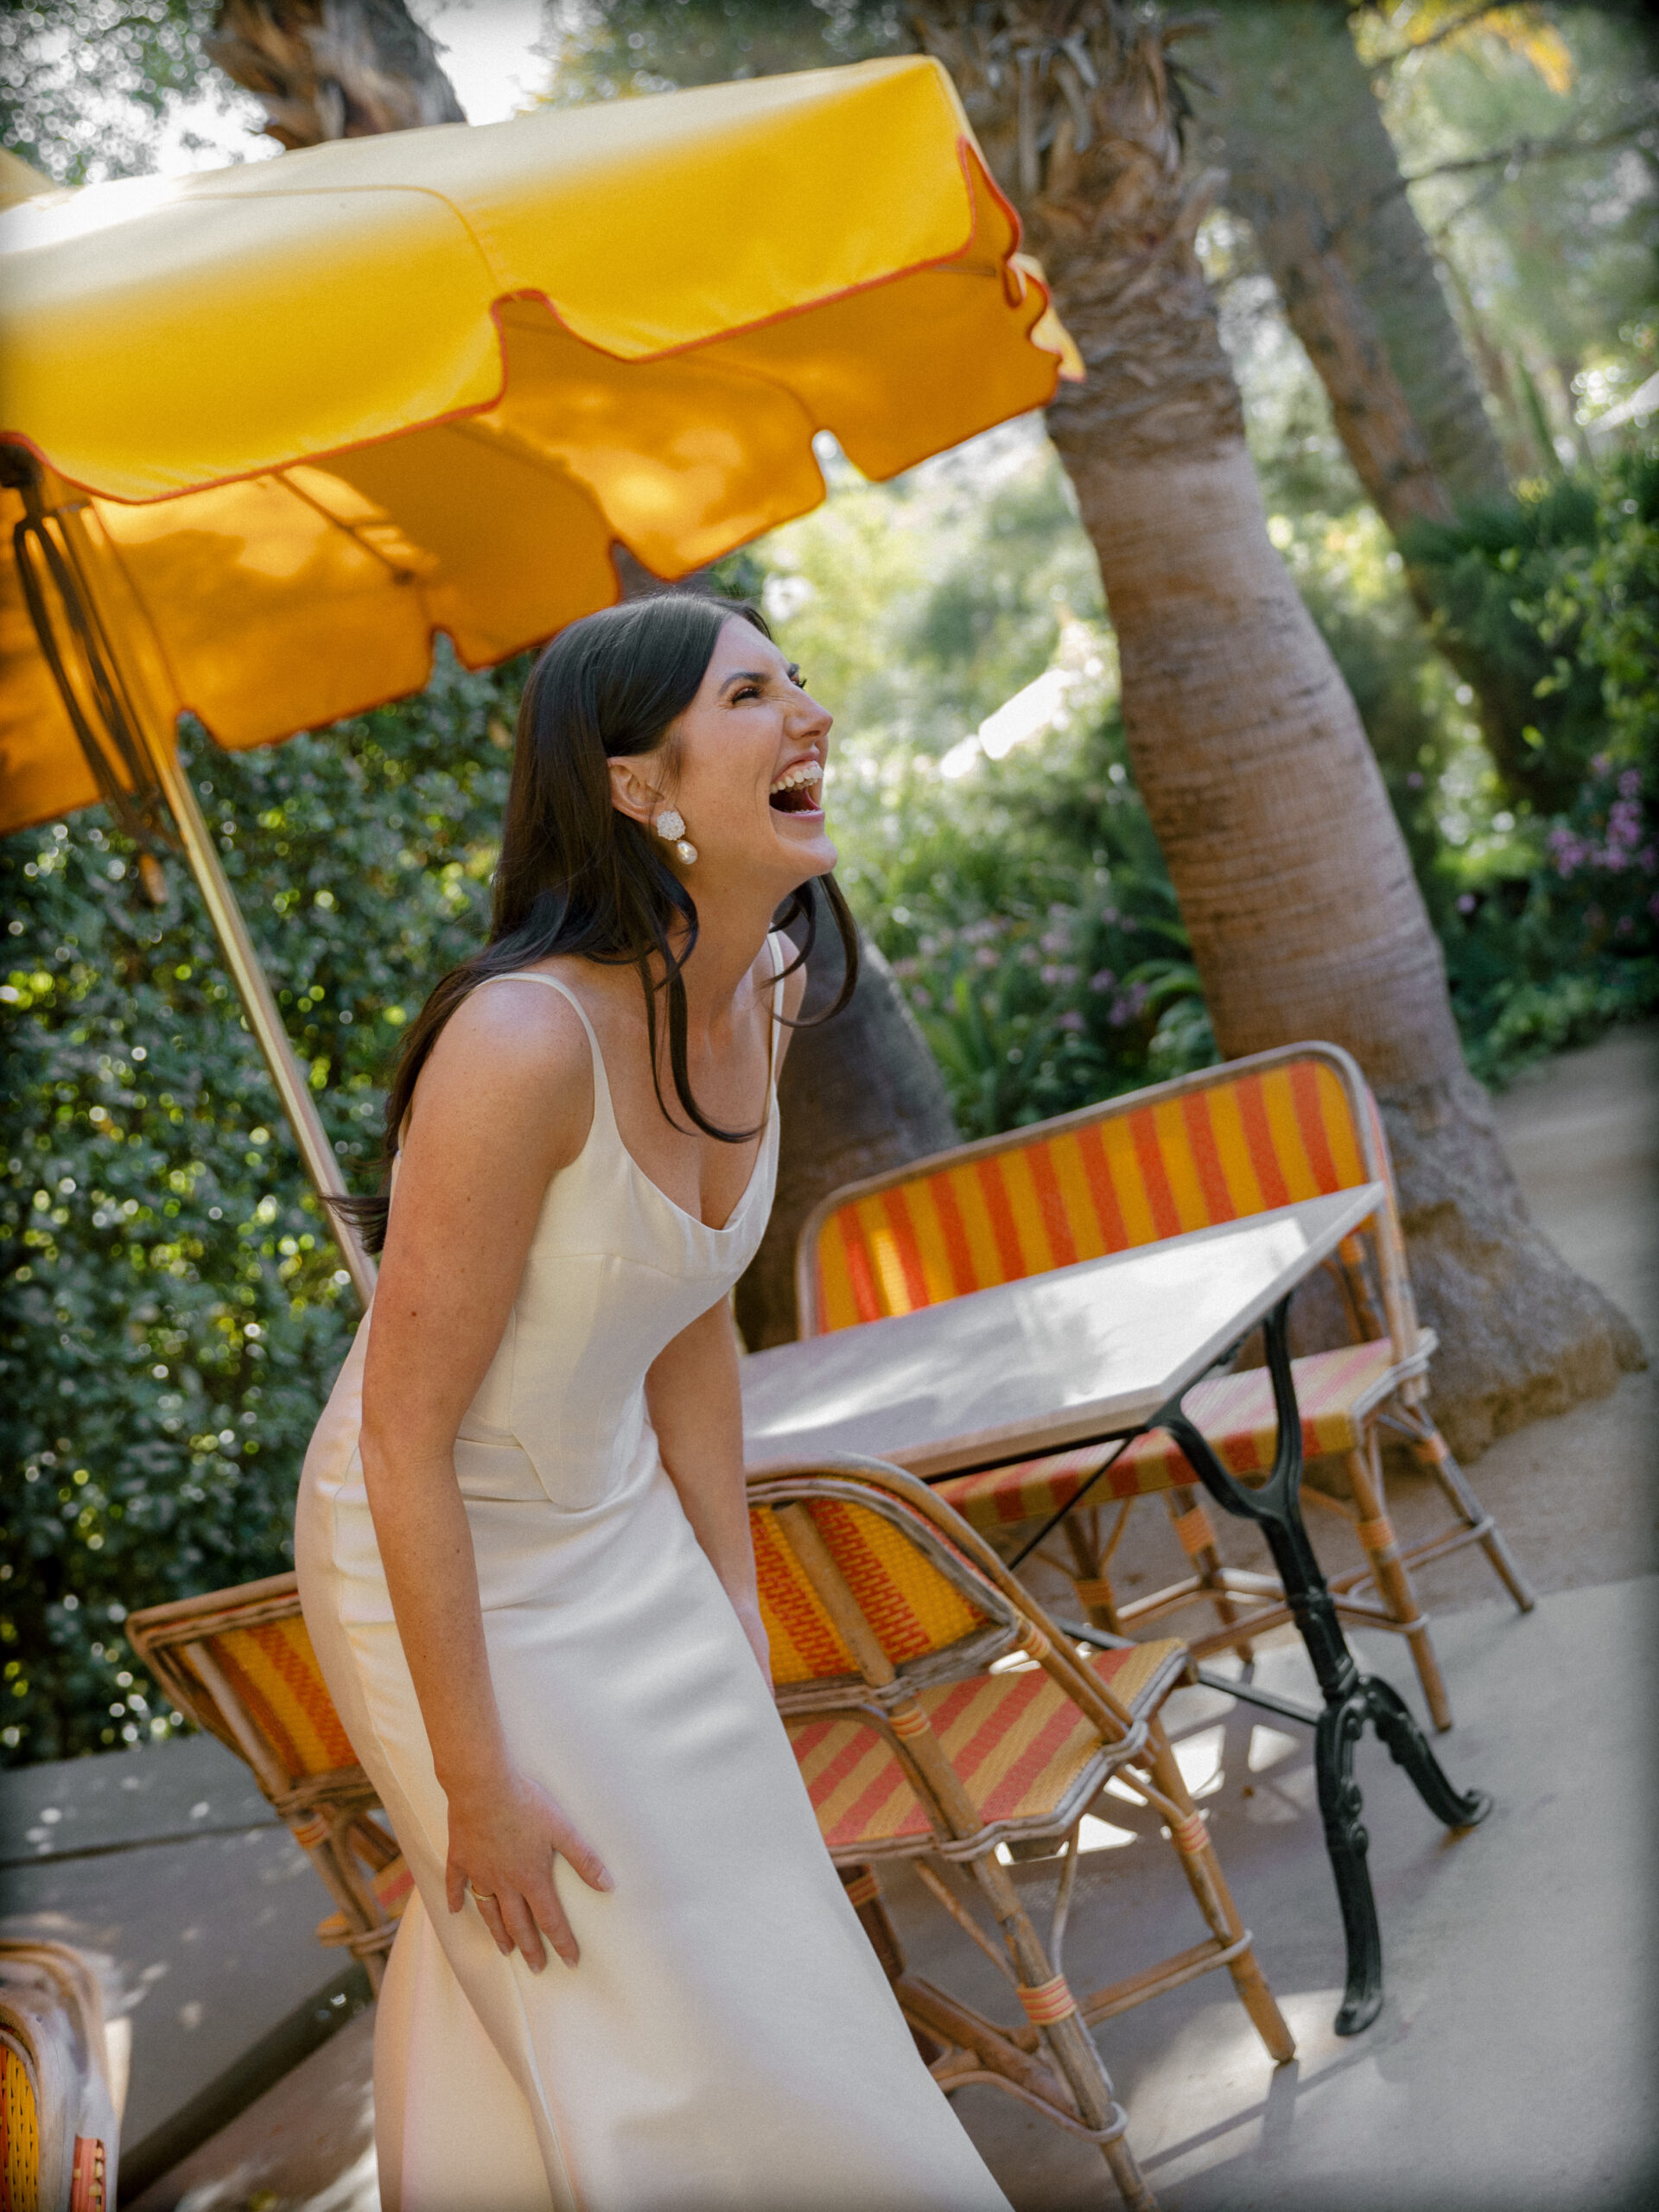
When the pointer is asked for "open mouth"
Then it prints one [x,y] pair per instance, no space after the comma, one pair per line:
[797,790]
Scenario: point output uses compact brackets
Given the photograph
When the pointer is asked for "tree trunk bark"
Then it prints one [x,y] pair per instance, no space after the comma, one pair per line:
[1293,875]
[1313,168]
[859,1095]
[1298,121]
[333,68]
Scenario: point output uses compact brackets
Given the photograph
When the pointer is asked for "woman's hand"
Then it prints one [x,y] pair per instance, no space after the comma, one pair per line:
[502,1842]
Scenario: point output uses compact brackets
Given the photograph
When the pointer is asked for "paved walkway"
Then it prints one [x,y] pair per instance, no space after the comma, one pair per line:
[1512,2064]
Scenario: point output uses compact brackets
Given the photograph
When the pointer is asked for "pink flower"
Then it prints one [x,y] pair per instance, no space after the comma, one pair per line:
[1073,1023]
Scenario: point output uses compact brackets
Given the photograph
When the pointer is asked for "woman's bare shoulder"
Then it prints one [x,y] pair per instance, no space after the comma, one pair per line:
[513,1054]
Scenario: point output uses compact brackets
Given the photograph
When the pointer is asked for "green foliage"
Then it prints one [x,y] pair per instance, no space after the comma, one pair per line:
[173,1308]
[85,85]
[1548,957]
[1025,909]
[1488,575]
[1551,260]
[610,49]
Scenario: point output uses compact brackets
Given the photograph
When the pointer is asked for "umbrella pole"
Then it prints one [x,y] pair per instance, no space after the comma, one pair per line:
[259,1004]
[92,576]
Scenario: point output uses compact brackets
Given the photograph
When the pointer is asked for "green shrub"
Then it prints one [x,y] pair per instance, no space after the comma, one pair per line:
[173,1309]
[1026,908]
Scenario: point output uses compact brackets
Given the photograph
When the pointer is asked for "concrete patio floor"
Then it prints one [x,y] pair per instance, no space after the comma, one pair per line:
[1512,2064]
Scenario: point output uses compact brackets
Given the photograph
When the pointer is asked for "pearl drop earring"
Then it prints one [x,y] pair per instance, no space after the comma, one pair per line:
[671,827]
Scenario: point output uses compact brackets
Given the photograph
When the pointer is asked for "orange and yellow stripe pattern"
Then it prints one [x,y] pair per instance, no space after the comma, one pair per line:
[1240,1146]
[911,1605]
[1016,1740]
[1234,1411]
[274,1671]
[20,2134]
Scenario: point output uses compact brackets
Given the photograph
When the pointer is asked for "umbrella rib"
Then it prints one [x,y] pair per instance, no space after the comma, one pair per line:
[308,499]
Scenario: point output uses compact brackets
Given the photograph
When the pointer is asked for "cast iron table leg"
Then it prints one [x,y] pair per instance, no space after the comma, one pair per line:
[1350,1698]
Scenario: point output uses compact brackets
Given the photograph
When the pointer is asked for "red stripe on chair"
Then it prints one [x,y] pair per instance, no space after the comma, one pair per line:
[1264,1157]
[865,1294]
[962,1277]
[1114,1236]
[1206,1158]
[943,1711]
[852,1824]
[829,1777]
[1022,1773]
[897,1208]
[1310,1119]
[988,1174]
[1056,1220]
[1015,1693]
[1149,1153]
[279,1641]
[784,1589]
[261,1712]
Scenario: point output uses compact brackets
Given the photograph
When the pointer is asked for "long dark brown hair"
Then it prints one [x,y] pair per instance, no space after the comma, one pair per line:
[576,876]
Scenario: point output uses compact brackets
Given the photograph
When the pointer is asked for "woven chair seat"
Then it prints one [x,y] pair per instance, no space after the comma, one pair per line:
[1335,1390]
[1018,1743]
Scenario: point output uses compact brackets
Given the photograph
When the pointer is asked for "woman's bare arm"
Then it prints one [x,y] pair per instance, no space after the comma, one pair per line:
[503,1103]
[692,1393]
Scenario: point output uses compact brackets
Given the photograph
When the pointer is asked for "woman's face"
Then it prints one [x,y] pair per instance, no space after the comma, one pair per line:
[744,768]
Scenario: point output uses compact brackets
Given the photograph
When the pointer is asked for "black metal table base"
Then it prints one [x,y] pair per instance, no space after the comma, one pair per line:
[1351,1700]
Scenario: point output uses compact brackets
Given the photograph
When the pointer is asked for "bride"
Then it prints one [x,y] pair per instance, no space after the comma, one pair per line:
[522,1540]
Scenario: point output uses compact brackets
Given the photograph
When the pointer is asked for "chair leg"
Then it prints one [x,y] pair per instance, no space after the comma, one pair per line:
[1209,1884]
[1376,1534]
[1432,1448]
[1197,1540]
[1094,1592]
[1049,2005]
[864,1894]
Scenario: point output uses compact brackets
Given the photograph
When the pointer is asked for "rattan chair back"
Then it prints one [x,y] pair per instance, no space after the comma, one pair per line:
[239,1663]
[1298,1123]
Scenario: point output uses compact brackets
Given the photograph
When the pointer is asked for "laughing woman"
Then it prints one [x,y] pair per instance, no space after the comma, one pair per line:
[523,1544]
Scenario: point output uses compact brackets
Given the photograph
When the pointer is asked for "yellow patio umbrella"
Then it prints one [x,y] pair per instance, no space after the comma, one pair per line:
[265,430]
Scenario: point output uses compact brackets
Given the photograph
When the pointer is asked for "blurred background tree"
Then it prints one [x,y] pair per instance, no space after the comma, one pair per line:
[156,1217]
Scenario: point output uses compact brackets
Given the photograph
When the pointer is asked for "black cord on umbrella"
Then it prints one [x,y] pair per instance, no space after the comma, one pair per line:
[108,733]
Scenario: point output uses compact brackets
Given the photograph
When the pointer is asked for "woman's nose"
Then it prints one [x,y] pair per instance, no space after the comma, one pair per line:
[809,718]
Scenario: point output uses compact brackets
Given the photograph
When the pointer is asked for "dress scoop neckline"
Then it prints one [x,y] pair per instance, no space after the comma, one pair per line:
[602,1087]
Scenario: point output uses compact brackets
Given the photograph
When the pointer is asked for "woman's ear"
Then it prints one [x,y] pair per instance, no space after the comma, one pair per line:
[633,793]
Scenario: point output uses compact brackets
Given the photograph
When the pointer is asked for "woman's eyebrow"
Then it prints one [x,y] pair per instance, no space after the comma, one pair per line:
[758,675]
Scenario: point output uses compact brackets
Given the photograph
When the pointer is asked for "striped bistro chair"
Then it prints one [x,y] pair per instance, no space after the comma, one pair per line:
[60,2129]
[936,1713]
[239,1663]
[1233,1140]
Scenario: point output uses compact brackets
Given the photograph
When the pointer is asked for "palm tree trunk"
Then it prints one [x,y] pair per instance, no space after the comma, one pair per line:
[333,68]
[858,1096]
[1300,125]
[1293,875]
[1313,168]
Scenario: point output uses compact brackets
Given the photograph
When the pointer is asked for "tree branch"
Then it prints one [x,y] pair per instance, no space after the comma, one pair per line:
[1536,150]
[1503,158]
[1466,22]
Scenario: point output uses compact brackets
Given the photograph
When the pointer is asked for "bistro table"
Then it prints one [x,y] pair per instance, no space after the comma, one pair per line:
[1101,1352]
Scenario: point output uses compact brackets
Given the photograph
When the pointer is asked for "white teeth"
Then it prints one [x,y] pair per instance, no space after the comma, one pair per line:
[804,772]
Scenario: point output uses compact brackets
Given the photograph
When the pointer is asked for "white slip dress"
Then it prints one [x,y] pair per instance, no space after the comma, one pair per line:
[728,2041]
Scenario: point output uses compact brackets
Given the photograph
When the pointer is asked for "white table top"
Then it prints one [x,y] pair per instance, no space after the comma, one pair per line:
[1033,1366]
